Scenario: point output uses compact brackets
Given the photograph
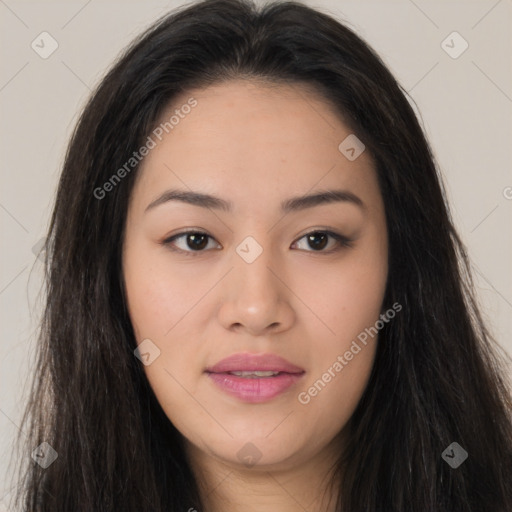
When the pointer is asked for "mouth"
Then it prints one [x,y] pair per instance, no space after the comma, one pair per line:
[254,378]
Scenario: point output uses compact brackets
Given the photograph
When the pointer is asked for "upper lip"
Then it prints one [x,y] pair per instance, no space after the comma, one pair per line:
[254,362]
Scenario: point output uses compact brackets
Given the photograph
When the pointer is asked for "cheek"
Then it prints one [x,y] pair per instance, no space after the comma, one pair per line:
[341,363]
[346,295]
[159,302]
[350,306]
[167,310]
[158,294]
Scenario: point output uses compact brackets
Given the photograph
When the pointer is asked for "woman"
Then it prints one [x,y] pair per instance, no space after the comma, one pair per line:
[256,296]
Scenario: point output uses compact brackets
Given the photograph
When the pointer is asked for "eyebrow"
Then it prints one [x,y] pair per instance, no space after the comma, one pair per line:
[292,204]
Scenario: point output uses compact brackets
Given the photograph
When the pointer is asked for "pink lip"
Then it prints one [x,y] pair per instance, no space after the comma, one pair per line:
[252,362]
[254,390]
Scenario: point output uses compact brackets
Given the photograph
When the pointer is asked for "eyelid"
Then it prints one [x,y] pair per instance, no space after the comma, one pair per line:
[343,241]
[167,242]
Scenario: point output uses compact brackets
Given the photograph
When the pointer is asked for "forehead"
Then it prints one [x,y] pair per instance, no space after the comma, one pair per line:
[249,139]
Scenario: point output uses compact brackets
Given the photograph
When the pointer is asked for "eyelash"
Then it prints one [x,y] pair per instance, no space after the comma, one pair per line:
[343,241]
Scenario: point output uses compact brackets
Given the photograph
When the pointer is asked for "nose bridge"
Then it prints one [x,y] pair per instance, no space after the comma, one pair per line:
[254,297]
[253,267]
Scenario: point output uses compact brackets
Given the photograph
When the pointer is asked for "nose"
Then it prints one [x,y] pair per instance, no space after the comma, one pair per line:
[256,297]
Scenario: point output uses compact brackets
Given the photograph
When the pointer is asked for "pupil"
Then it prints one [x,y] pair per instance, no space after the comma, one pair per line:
[317,235]
[198,238]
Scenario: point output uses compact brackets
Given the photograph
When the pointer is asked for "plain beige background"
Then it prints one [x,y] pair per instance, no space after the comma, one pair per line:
[465,105]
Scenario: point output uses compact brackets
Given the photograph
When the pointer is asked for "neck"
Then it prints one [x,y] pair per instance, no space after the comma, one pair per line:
[227,486]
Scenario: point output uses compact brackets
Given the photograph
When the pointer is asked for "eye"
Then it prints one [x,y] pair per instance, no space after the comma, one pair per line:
[319,239]
[192,241]
[198,241]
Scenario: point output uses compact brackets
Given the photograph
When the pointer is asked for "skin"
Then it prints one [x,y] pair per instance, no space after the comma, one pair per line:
[256,144]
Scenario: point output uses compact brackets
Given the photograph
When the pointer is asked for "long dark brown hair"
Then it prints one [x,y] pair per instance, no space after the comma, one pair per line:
[438,376]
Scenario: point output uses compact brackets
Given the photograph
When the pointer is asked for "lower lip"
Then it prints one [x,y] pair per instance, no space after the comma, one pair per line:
[255,390]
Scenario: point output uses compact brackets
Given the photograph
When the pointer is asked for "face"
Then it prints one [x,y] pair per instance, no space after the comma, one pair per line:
[256,274]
